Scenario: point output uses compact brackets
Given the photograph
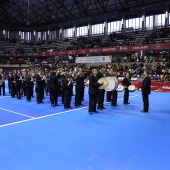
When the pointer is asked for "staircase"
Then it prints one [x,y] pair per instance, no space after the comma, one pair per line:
[15,47]
[143,38]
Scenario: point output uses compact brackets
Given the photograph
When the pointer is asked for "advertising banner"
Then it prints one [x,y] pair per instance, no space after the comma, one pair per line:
[94,59]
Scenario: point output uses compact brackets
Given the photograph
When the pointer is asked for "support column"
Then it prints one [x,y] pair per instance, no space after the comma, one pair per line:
[89,29]
[61,33]
[123,22]
[105,27]
[74,31]
[167,15]
[143,19]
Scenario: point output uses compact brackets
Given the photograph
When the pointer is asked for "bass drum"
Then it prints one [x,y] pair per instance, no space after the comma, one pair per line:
[131,88]
[112,84]
[120,88]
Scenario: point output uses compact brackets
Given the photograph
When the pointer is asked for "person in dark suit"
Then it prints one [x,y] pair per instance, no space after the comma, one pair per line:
[68,86]
[79,87]
[9,82]
[54,76]
[109,93]
[114,92]
[146,90]
[28,80]
[126,83]
[13,87]
[63,78]
[40,80]
[18,80]
[93,91]
[2,80]
[101,92]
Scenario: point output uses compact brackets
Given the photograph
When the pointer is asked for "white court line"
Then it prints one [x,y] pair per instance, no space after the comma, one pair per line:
[16,113]
[54,114]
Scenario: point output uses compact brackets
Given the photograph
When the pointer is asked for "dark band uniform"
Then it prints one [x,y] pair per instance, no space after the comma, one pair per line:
[2,78]
[68,91]
[101,93]
[54,88]
[126,83]
[79,89]
[39,88]
[28,85]
[146,84]
[18,85]
[93,92]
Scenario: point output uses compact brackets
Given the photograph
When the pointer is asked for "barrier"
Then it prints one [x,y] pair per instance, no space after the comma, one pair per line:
[155,86]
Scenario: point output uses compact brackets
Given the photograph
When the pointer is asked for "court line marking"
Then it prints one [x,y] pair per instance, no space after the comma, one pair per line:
[54,114]
[16,113]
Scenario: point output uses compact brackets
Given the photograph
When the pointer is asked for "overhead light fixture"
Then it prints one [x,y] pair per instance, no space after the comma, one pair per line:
[28,23]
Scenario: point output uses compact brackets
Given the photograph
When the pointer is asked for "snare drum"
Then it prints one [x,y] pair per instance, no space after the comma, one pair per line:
[131,88]
[120,88]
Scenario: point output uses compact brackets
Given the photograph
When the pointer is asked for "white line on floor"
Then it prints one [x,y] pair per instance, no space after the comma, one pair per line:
[16,113]
[54,114]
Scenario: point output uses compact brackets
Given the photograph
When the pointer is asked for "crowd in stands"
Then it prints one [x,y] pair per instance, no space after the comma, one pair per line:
[161,34]
[113,39]
[160,72]
[126,39]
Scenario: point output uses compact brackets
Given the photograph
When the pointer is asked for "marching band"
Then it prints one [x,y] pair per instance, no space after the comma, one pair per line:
[59,82]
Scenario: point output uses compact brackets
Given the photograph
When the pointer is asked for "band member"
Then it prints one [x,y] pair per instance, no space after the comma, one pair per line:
[32,87]
[9,82]
[68,85]
[23,83]
[114,92]
[79,87]
[47,85]
[54,76]
[101,92]
[40,80]
[109,93]
[126,83]
[13,87]
[71,74]
[63,78]
[28,83]
[2,82]
[18,80]
[146,86]
[93,91]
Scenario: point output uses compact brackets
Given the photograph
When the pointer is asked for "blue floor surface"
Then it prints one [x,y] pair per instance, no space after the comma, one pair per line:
[39,137]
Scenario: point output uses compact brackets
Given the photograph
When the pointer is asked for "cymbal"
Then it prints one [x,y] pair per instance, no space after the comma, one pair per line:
[103,81]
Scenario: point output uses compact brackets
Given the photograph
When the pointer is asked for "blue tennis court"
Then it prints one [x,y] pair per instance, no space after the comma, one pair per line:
[40,137]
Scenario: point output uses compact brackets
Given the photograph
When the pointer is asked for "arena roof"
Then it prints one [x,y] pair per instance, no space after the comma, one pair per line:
[52,14]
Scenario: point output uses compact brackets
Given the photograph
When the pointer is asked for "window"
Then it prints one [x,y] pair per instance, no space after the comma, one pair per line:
[68,32]
[149,22]
[39,35]
[98,29]
[134,23]
[82,31]
[114,26]
[160,20]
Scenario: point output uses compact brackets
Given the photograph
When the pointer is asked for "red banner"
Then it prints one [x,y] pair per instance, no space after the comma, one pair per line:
[155,86]
[131,48]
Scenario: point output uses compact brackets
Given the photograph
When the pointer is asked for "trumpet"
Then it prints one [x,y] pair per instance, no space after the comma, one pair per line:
[44,78]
